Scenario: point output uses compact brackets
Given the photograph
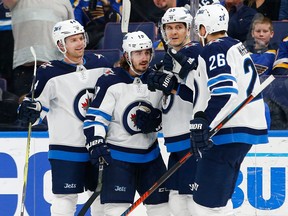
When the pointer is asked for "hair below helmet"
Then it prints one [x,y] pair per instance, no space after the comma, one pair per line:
[176,15]
[64,29]
[213,17]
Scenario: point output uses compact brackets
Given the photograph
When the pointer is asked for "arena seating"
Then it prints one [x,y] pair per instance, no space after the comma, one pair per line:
[113,36]
[280,31]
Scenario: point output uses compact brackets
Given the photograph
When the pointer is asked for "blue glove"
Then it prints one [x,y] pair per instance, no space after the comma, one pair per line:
[158,65]
[168,62]
[187,64]
[29,111]
[148,120]
[199,134]
[162,81]
[98,149]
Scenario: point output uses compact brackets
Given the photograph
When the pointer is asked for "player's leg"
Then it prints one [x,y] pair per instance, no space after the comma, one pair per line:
[96,208]
[118,188]
[91,181]
[148,173]
[112,209]
[180,183]
[199,210]
[215,180]
[178,203]
[67,181]
[63,204]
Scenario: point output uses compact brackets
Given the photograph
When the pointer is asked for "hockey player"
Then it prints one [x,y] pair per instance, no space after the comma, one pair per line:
[63,91]
[116,129]
[180,58]
[225,76]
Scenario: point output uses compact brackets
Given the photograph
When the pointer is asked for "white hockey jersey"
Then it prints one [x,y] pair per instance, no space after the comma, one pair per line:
[65,91]
[178,109]
[112,116]
[225,77]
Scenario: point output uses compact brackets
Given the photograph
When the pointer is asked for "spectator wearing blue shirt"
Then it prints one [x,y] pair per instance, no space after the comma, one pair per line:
[240,19]
[283,11]
[94,15]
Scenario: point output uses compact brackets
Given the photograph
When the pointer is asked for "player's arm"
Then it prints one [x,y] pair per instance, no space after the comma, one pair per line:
[10,4]
[96,123]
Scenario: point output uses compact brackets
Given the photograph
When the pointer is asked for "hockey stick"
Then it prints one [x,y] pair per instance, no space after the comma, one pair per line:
[125,16]
[28,137]
[189,154]
[194,6]
[97,190]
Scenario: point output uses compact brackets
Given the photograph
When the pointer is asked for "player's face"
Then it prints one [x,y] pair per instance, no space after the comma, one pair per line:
[262,33]
[163,4]
[75,46]
[176,33]
[140,60]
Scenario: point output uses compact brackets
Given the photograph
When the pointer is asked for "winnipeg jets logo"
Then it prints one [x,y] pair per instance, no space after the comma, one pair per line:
[129,116]
[82,102]
[194,186]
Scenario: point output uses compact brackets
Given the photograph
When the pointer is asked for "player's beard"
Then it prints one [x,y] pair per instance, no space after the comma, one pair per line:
[140,68]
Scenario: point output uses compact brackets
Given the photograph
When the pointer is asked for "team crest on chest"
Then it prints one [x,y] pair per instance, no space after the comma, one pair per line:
[82,102]
[129,116]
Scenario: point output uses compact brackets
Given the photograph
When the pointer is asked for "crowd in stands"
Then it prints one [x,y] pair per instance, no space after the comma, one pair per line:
[28,23]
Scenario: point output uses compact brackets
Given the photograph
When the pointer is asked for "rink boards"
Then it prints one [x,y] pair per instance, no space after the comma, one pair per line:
[261,187]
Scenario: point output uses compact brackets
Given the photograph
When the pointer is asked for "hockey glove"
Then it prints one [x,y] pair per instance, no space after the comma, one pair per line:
[168,62]
[199,134]
[148,120]
[162,81]
[187,64]
[158,66]
[29,111]
[98,149]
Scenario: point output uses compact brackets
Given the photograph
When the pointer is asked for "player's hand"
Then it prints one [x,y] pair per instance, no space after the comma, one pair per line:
[187,64]
[29,111]
[168,62]
[199,134]
[158,65]
[98,149]
[148,120]
[162,81]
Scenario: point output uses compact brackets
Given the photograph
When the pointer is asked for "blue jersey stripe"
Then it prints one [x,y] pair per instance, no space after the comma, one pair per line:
[135,158]
[239,138]
[99,113]
[68,156]
[178,146]
[221,78]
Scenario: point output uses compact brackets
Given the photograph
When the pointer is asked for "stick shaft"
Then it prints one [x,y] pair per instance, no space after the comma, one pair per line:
[25,177]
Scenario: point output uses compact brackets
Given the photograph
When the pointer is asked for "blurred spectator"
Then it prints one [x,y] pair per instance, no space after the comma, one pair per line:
[145,11]
[269,8]
[262,51]
[94,15]
[283,12]
[6,45]
[8,107]
[166,4]
[32,23]
[240,19]
[280,66]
